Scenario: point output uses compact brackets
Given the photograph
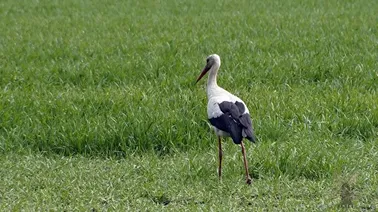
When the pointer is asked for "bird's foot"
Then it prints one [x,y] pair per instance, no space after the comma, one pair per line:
[249,181]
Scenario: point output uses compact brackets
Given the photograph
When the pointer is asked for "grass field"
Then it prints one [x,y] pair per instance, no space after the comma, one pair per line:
[99,111]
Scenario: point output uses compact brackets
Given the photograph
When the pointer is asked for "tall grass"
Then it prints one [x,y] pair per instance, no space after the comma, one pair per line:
[113,77]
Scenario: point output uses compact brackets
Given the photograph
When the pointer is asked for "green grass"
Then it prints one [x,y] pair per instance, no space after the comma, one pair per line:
[98,107]
[184,181]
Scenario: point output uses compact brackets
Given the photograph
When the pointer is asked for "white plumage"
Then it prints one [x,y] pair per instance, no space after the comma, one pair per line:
[226,112]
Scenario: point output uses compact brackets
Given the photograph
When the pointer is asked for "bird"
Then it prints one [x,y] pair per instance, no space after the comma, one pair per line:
[227,113]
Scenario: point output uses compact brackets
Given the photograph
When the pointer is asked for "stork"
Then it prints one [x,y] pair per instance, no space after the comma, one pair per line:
[227,113]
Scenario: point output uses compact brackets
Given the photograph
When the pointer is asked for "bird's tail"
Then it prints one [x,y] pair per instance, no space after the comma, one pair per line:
[248,134]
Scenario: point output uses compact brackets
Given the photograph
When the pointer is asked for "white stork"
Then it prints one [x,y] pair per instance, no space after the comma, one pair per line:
[226,112]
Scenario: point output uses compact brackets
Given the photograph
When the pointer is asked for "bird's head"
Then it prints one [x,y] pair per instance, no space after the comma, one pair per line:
[211,60]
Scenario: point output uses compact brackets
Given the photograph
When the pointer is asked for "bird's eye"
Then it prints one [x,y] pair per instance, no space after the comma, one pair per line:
[207,60]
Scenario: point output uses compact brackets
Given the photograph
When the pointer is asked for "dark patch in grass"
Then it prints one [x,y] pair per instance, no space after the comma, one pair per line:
[347,192]
[38,187]
[248,201]
[199,202]
[346,195]
[369,208]
[162,199]
[104,202]
[254,174]
[162,150]
[254,196]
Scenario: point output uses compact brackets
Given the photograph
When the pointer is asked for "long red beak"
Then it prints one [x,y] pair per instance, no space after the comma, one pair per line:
[204,71]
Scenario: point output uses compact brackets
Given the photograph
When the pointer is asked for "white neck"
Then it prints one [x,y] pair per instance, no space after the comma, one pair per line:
[212,80]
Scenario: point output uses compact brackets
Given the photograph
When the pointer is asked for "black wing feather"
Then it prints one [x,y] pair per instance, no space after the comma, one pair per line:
[226,123]
[234,122]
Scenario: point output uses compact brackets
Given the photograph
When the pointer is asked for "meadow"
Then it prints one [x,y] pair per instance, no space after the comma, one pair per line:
[99,110]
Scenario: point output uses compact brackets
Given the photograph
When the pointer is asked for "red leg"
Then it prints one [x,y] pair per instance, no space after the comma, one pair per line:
[249,180]
[220,157]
